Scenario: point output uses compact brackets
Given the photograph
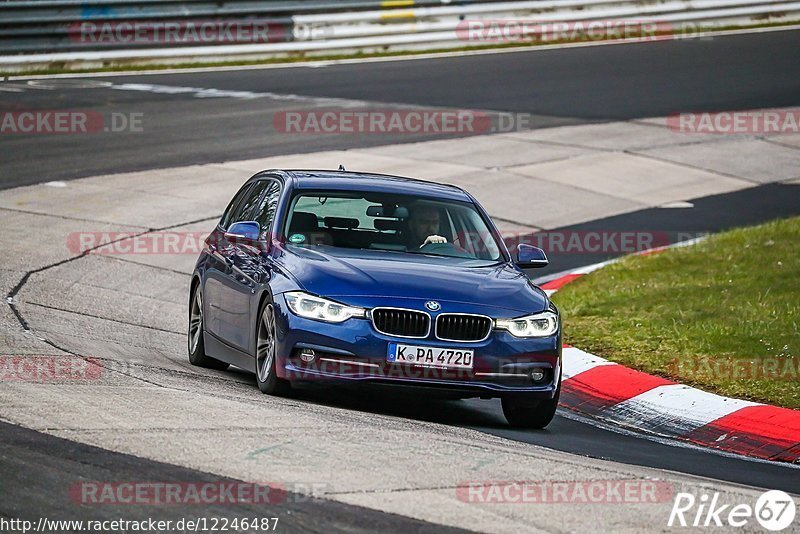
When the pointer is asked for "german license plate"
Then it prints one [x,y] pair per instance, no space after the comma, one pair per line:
[430,356]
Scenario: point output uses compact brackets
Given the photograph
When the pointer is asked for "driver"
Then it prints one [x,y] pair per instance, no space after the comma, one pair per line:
[423,225]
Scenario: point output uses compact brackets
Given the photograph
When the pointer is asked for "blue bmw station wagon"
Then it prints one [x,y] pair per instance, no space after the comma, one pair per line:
[340,277]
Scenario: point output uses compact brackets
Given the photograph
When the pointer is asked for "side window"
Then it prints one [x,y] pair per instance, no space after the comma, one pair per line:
[233,208]
[265,213]
[246,213]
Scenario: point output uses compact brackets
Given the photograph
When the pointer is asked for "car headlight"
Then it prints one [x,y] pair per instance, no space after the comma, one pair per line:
[538,325]
[312,307]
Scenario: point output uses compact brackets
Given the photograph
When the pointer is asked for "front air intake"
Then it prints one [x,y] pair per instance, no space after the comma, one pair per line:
[463,327]
[401,323]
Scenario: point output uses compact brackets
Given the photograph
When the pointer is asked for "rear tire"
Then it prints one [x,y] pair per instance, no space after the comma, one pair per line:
[524,412]
[266,352]
[197,348]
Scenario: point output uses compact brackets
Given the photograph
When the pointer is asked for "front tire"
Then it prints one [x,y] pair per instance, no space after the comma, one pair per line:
[523,412]
[197,348]
[266,351]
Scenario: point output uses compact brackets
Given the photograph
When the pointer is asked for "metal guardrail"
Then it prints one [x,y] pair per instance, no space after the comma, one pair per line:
[55,25]
[97,33]
[65,11]
[36,13]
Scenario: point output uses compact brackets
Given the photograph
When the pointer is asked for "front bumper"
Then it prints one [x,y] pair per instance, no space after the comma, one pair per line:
[354,352]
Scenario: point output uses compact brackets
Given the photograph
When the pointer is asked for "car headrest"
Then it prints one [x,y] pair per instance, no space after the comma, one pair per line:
[341,222]
[303,222]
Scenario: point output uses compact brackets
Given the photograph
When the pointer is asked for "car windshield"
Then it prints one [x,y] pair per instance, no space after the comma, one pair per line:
[397,223]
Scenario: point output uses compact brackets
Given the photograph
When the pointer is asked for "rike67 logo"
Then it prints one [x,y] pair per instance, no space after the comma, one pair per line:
[774,510]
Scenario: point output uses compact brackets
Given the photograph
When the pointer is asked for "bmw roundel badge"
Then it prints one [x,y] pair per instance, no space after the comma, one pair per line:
[432,305]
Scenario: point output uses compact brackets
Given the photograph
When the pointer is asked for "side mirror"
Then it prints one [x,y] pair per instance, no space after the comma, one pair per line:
[244,231]
[530,257]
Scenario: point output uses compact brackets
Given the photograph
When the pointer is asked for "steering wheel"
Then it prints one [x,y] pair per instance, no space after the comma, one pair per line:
[434,247]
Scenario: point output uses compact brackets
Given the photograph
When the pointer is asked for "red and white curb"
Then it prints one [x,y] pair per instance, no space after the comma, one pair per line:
[617,394]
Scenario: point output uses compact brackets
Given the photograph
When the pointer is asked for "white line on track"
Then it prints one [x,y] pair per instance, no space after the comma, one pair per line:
[198,92]
[66,84]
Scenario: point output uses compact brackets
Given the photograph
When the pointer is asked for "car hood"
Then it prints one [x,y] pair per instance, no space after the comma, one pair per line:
[352,273]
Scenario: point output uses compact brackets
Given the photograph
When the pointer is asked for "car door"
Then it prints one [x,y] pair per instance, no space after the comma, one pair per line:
[243,260]
[256,261]
[219,269]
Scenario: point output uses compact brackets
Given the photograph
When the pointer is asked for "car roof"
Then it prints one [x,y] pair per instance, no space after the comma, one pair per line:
[381,183]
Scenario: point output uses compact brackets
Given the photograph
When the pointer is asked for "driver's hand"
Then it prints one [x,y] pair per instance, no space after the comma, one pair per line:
[432,239]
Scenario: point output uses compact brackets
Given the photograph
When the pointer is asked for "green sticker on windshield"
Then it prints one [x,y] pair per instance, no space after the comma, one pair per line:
[297,238]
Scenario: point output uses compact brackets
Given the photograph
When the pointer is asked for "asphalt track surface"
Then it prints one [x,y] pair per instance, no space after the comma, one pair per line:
[557,87]
[41,472]
[562,86]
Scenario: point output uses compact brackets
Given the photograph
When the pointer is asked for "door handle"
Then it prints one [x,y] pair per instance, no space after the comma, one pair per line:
[227,261]
[247,277]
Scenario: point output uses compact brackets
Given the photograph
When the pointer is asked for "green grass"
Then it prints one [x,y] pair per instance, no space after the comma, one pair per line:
[299,57]
[723,315]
